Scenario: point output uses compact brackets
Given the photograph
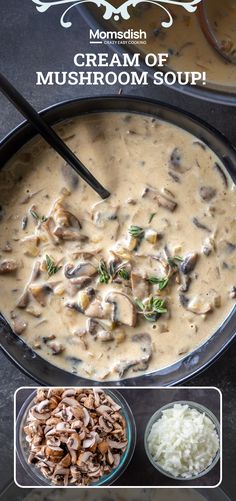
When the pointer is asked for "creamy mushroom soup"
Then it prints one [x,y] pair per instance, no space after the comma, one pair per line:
[185,42]
[117,288]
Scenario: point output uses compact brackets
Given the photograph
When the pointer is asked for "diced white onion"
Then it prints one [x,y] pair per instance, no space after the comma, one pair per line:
[184,441]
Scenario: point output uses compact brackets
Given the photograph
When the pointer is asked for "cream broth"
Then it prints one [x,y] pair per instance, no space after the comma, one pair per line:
[185,42]
[116,288]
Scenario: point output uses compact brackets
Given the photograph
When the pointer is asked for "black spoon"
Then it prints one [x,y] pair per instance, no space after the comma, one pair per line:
[49,135]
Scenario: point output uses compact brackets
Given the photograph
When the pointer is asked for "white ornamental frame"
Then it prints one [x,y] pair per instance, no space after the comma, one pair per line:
[116,12]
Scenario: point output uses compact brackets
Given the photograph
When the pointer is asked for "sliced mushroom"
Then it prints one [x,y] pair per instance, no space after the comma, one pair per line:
[189,263]
[95,309]
[222,174]
[19,325]
[140,286]
[8,266]
[42,405]
[105,425]
[103,447]
[31,245]
[196,305]
[66,461]
[57,348]
[83,269]
[105,336]
[40,416]
[70,176]
[70,234]
[65,218]
[185,283]
[89,442]
[146,345]
[207,193]
[200,225]
[116,445]
[162,200]
[74,442]
[39,292]
[123,310]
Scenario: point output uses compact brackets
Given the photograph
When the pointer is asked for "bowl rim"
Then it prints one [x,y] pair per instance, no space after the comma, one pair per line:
[156,416]
[214,94]
[105,480]
[30,362]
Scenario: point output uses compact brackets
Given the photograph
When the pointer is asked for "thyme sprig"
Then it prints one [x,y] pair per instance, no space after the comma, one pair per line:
[153,308]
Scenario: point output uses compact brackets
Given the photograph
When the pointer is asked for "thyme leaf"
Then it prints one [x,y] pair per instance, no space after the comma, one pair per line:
[136,231]
[52,268]
[124,273]
[172,261]
[151,217]
[162,282]
[36,216]
[104,276]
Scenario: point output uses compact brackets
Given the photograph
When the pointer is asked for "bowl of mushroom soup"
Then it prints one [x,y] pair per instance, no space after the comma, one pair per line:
[185,42]
[75,437]
[96,291]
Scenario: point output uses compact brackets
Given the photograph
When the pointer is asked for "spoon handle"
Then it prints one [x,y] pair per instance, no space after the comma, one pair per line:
[50,135]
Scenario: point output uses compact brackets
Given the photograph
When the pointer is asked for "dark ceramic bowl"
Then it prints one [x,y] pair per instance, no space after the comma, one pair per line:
[29,361]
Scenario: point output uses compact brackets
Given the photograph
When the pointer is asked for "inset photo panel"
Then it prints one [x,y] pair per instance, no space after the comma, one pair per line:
[132,437]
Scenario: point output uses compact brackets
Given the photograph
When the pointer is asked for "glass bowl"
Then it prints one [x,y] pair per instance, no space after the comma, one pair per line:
[158,414]
[22,448]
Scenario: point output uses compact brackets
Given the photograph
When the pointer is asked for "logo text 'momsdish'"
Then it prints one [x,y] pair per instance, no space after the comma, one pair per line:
[129,34]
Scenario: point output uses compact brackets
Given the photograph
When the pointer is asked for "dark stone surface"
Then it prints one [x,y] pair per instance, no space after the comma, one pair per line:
[35,42]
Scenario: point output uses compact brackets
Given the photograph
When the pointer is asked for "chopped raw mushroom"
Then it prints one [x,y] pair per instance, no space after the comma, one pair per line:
[75,435]
[8,266]
[123,310]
